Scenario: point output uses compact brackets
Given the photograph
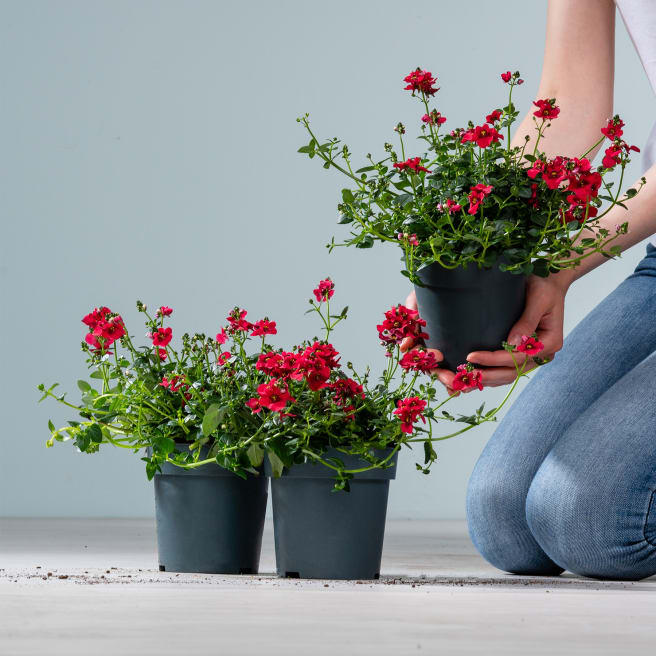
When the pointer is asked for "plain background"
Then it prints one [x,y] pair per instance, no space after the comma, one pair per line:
[149,152]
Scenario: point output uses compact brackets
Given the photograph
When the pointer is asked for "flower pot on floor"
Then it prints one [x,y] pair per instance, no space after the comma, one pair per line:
[209,520]
[323,534]
[468,309]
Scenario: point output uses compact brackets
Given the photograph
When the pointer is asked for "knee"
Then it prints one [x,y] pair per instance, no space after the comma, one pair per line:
[497,524]
[582,525]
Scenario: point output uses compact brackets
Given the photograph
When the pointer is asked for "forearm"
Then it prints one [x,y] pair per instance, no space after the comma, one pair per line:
[641,217]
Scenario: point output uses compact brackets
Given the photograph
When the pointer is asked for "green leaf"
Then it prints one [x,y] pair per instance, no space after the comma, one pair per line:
[347,196]
[96,374]
[95,433]
[83,385]
[276,464]
[213,417]
[365,169]
[255,455]
[367,242]
[51,426]
[630,193]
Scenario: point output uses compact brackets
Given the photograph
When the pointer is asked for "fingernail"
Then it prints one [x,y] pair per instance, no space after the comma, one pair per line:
[515,340]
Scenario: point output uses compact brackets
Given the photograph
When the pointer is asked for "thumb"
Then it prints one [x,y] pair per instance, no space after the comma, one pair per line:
[528,322]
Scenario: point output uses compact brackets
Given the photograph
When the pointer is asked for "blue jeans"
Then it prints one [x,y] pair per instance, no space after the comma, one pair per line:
[568,480]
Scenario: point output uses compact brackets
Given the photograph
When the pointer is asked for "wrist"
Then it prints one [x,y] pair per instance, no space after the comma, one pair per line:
[564,278]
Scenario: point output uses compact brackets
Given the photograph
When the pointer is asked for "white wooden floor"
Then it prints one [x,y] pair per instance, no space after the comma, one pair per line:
[91,587]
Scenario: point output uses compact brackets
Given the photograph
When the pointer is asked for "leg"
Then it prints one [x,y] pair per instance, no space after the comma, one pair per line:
[592,504]
[610,341]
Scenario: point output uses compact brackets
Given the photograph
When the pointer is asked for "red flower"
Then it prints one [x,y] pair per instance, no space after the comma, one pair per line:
[277,365]
[254,405]
[164,311]
[536,169]
[162,336]
[452,206]
[419,360]
[222,337]
[237,321]
[578,166]
[533,200]
[112,330]
[494,116]
[174,384]
[274,395]
[530,345]
[421,81]
[264,327]
[477,195]
[346,389]
[584,187]
[506,77]
[324,291]
[613,129]
[412,164]
[96,316]
[482,135]
[547,109]
[466,378]
[401,322]
[269,363]
[612,156]
[223,358]
[162,354]
[434,118]
[321,353]
[317,377]
[411,239]
[408,411]
[554,172]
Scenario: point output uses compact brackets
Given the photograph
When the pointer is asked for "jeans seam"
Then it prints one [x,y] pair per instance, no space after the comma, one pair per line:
[644,526]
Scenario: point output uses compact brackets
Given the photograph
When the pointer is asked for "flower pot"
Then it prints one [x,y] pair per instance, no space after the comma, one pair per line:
[323,534]
[468,309]
[209,520]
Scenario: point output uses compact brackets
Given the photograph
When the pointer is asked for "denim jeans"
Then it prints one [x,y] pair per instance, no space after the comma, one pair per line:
[568,479]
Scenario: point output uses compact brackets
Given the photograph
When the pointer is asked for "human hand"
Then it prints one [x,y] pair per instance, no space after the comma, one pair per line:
[443,375]
[544,315]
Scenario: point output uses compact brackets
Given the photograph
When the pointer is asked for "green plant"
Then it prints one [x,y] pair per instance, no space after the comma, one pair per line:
[471,199]
[230,405]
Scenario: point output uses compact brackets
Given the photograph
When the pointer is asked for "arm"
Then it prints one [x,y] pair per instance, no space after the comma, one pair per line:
[578,72]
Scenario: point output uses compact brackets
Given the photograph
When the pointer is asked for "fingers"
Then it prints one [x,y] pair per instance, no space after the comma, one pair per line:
[500,358]
[497,376]
[527,324]
[411,301]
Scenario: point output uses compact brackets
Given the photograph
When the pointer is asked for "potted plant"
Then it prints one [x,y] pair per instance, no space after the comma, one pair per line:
[332,437]
[475,216]
[186,409]
[211,413]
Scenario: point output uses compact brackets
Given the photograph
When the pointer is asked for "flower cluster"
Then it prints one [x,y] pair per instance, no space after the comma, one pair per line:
[214,400]
[105,328]
[528,210]
[401,322]
[409,411]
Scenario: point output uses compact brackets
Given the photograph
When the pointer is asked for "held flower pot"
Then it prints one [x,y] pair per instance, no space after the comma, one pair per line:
[209,520]
[468,309]
[323,534]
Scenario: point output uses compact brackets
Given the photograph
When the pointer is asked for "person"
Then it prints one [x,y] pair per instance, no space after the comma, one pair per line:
[568,479]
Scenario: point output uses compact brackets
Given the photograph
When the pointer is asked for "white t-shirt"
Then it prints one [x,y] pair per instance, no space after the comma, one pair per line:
[639,16]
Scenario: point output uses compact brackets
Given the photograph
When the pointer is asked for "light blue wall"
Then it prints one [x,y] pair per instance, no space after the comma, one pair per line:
[149,151]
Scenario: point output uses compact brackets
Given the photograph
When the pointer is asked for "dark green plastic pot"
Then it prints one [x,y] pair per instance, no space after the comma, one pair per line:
[209,520]
[322,534]
[468,309]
